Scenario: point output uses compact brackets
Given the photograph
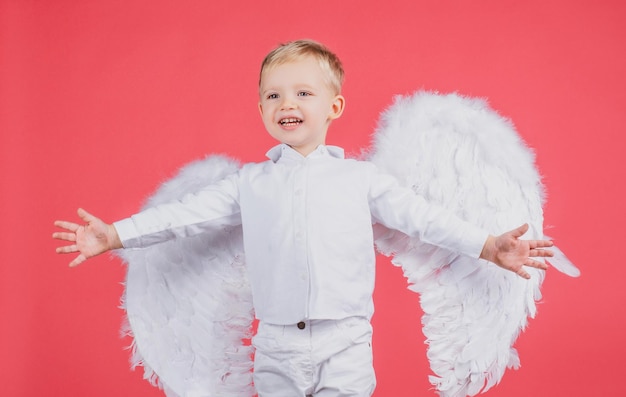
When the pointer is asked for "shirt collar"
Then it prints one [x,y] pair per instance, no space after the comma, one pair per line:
[284,151]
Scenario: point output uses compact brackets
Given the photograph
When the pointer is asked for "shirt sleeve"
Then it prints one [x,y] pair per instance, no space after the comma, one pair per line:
[214,206]
[401,209]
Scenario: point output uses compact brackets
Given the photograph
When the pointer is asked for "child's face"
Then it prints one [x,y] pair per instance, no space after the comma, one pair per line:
[297,104]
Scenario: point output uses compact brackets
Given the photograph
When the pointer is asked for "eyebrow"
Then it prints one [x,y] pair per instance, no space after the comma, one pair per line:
[297,87]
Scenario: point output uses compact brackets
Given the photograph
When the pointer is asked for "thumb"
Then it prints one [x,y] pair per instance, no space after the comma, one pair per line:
[85,216]
[519,232]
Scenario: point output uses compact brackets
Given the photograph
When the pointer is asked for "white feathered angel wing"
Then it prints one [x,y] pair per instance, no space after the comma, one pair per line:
[188,302]
[460,154]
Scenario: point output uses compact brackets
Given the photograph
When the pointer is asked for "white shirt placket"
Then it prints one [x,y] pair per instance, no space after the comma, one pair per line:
[299,194]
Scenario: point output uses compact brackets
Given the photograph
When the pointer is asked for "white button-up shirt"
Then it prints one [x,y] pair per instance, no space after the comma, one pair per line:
[307,227]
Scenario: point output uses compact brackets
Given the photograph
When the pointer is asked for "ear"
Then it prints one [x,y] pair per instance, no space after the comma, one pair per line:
[339,103]
[261,109]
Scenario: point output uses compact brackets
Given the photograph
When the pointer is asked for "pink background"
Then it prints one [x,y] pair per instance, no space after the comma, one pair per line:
[100,101]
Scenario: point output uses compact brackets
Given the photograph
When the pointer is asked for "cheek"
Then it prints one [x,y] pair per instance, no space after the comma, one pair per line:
[265,116]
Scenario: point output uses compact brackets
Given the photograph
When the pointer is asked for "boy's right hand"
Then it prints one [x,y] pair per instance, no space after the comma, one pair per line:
[90,239]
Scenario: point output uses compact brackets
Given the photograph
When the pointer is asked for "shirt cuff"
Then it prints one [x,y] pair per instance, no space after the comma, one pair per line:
[474,241]
[127,232]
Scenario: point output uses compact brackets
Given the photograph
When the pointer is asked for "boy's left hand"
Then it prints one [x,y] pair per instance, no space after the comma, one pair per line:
[511,253]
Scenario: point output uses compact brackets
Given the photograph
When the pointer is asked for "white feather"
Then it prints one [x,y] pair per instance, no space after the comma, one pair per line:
[457,152]
[188,302]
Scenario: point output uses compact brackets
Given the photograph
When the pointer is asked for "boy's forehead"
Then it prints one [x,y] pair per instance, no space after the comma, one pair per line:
[304,68]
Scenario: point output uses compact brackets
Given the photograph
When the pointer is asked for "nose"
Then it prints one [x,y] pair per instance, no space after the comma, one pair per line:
[287,103]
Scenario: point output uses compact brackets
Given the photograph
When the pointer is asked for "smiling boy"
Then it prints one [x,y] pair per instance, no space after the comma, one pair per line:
[307,216]
[298,101]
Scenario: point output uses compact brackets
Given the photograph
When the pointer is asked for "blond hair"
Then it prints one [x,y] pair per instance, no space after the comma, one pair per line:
[293,50]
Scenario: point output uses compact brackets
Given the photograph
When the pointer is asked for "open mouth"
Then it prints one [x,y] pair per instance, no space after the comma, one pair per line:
[290,122]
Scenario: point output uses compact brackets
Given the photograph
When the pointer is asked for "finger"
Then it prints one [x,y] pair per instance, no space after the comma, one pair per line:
[68,249]
[540,243]
[536,264]
[71,226]
[523,273]
[540,253]
[85,216]
[78,260]
[519,232]
[64,236]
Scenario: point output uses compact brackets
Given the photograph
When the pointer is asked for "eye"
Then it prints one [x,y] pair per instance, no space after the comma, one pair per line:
[272,96]
[304,93]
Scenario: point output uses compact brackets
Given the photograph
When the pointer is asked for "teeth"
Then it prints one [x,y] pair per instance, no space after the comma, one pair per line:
[290,120]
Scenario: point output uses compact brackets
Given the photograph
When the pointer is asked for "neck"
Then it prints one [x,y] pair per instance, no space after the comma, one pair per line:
[305,150]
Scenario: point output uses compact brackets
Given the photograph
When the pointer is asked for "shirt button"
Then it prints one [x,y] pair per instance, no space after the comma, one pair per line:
[301,325]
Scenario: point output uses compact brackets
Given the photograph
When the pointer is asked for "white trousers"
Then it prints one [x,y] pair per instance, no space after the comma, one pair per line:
[321,358]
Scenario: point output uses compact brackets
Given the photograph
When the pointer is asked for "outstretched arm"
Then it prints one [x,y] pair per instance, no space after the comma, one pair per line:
[90,239]
[511,253]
